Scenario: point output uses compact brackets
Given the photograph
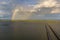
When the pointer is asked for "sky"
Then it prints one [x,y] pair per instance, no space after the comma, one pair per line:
[29,9]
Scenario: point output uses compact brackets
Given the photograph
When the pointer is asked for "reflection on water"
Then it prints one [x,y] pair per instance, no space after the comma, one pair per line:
[5,31]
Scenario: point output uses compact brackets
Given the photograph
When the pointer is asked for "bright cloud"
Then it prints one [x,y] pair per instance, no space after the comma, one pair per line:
[47,3]
[56,10]
[29,9]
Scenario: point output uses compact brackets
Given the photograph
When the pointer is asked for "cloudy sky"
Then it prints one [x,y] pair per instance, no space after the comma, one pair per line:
[29,9]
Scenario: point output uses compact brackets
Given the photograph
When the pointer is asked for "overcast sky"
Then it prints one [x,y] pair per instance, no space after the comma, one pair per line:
[11,7]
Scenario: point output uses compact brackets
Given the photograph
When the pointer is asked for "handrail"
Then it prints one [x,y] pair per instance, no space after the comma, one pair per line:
[48,35]
[53,32]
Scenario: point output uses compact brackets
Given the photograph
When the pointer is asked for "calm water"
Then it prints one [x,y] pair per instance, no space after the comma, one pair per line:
[27,30]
